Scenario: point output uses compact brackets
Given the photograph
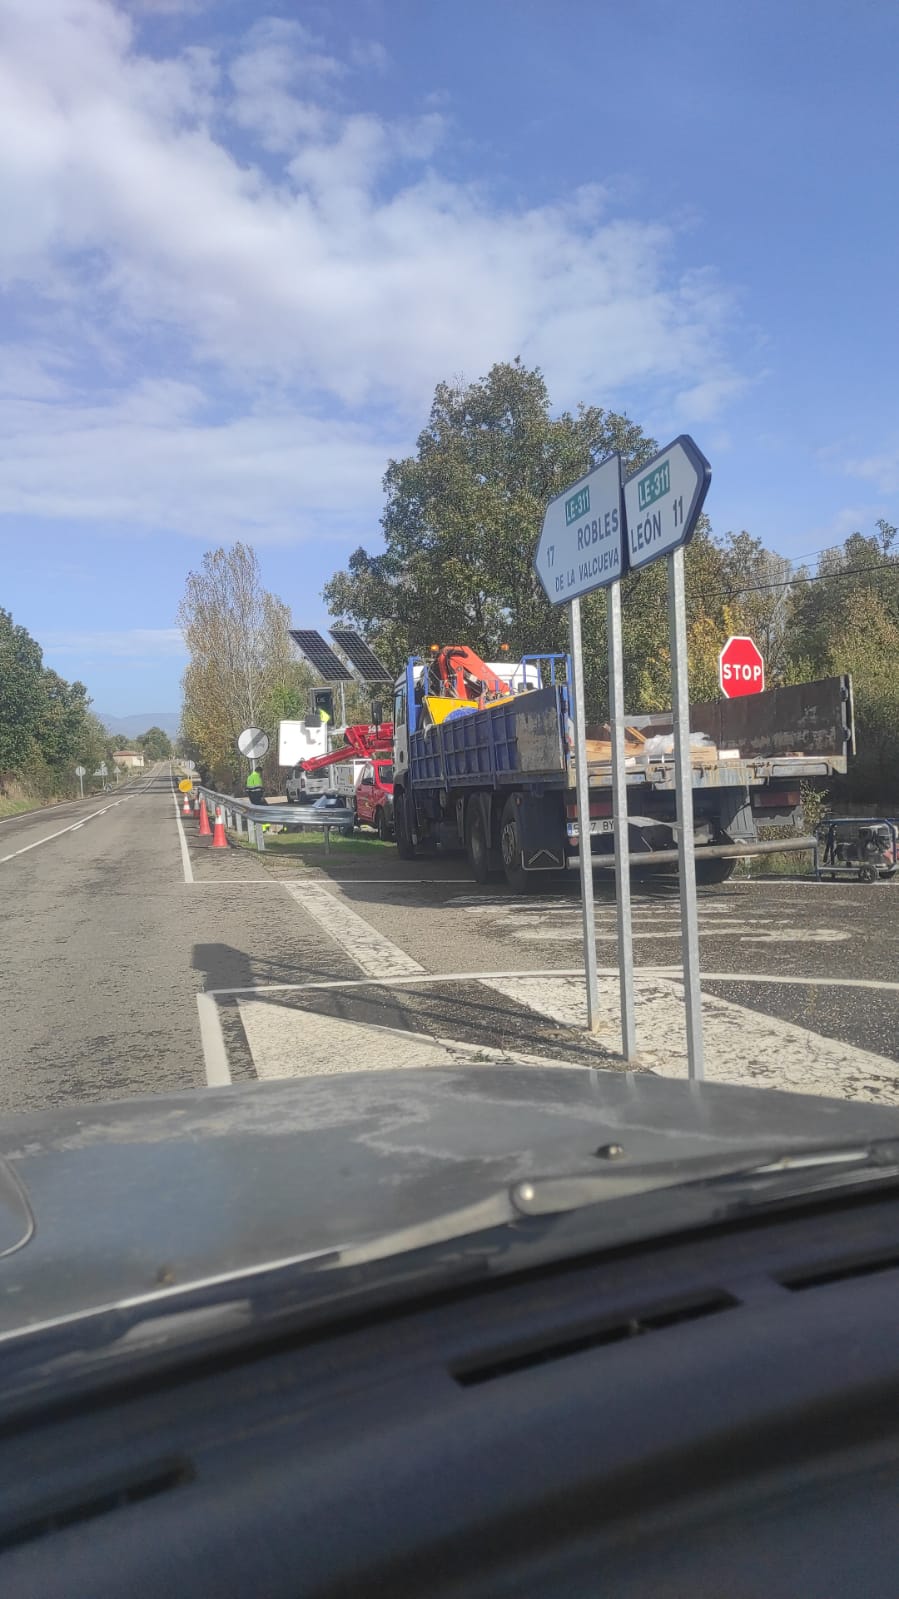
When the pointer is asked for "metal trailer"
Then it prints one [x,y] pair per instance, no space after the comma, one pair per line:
[500,782]
[864,848]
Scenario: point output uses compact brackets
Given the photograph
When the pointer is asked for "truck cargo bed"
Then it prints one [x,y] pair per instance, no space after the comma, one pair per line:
[516,738]
[801,731]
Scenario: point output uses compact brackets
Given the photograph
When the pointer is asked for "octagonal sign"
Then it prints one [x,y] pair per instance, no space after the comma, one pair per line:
[741,668]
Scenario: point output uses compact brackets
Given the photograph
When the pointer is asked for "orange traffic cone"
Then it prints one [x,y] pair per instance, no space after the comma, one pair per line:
[204,830]
[219,840]
[185,809]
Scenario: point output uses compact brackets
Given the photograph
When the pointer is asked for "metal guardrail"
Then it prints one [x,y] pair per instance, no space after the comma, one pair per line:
[255,816]
[704,852]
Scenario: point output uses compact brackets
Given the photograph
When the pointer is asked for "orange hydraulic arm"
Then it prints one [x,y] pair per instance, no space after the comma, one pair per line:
[465,675]
[362,743]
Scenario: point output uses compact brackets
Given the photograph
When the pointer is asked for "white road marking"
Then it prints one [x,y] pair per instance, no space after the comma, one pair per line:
[558,921]
[563,971]
[185,853]
[558,935]
[371,951]
[72,828]
[225,882]
[741,1045]
[875,983]
[286,1042]
[215,1055]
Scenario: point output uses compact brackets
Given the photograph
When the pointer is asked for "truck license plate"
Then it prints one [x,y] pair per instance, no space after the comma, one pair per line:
[597,825]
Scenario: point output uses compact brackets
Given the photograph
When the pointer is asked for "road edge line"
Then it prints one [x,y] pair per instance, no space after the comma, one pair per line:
[185,852]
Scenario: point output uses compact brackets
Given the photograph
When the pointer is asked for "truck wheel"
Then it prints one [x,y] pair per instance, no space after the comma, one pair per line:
[510,844]
[402,827]
[476,843]
[717,870]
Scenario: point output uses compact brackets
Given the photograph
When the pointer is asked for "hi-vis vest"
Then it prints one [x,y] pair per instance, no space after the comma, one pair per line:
[254,780]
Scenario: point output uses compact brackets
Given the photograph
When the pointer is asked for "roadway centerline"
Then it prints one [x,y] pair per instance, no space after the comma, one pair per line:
[72,828]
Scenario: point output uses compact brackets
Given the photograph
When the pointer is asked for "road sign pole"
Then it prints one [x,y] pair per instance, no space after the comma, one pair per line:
[622,833]
[683,777]
[583,817]
[81,784]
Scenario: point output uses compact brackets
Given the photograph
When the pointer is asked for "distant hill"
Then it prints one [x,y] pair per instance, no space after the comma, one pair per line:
[131,726]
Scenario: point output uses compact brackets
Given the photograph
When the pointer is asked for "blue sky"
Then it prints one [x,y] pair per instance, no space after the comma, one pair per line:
[241,247]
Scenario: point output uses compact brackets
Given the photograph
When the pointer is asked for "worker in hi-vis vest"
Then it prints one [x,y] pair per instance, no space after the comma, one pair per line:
[255,791]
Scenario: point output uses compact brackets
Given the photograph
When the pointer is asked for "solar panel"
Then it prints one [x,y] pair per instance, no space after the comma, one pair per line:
[361,655]
[320,655]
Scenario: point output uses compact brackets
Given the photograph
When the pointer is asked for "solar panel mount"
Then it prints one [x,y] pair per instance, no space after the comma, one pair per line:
[320,655]
[360,655]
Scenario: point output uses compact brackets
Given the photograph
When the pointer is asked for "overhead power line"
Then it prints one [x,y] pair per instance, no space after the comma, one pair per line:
[891,565]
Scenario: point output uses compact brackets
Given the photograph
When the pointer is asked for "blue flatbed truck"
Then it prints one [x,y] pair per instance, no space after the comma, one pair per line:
[500,782]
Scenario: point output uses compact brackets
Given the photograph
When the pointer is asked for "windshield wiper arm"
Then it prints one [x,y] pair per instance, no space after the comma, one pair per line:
[781,1177]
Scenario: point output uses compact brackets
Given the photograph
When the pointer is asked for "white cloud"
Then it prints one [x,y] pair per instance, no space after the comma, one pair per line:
[151,458]
[305,257]
[143,643]
[280,59]
[881,469]
[848,519]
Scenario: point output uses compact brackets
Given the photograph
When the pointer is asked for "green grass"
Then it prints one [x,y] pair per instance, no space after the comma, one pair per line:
[18,804]
[792,863]
[15,807]
[301,845]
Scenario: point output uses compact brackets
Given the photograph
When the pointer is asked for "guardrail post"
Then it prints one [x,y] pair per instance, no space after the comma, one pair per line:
[238,818]
[327,840]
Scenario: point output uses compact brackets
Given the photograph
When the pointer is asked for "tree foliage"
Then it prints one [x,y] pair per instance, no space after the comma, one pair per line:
[460,524]
[46,726]
[155,743]
[242,671]
[462,517]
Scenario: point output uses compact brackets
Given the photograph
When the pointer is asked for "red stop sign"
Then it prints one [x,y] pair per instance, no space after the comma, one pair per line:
[741,669]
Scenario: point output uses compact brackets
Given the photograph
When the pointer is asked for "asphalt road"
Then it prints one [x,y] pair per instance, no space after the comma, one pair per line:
[137,960]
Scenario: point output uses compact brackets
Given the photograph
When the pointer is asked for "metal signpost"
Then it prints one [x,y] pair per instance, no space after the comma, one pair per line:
[581,548]
[662,505]
[81,773]
[591,536]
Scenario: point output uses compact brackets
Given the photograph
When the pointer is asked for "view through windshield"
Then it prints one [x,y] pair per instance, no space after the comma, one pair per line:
[450,586]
